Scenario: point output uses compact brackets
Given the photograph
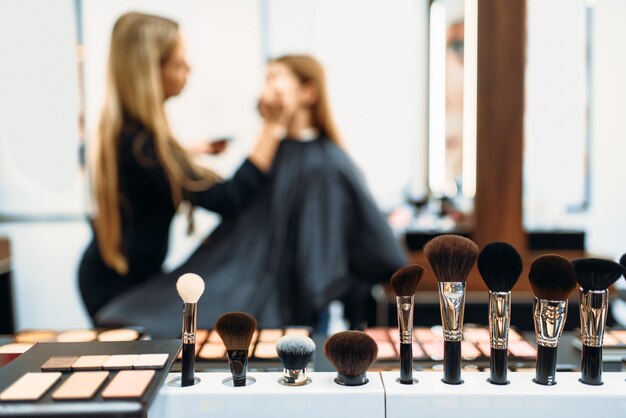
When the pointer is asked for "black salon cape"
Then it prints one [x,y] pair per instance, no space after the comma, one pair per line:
[313,235]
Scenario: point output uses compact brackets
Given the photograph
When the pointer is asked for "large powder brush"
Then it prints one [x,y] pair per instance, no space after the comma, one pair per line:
[351,353]
[236,330]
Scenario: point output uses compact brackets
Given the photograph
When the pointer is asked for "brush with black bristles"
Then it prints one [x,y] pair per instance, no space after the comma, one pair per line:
[190,287]
[351,353]
[295,352]
[595,276]
[451,258]
[500,266]
[552,279]
[404,283]
[236,330]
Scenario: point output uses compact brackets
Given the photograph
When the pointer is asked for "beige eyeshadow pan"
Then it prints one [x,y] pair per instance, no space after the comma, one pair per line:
[150,361]
[59,364]
[265,351]
[90,362]
[80,385]
[212,351]
[121,334]
[77,336]
[303,332]
[30,387]
[35,336]
[15,348]
[270,335]
[128,384]
[120,362]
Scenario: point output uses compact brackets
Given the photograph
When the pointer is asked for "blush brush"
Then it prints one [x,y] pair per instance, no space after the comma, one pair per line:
[190,287]
[451,258]
[595,276]
[404,283]
[500,266]
[236,330]
[351,353]
[552,279]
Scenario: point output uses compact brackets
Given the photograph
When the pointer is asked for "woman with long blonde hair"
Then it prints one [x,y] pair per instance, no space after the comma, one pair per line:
[313,235]
[140,174]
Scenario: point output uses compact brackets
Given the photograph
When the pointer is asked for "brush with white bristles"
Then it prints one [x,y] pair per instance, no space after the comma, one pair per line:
[295,353]
[190,287]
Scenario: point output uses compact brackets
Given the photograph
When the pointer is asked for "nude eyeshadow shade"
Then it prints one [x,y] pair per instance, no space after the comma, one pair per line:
[120,362]
[121,334]
[35,336]
[212,351]
[265,350]
[15,348]
[150,361]
[77,336]
[59,364]
[80,385]
[90,362]
[270,335]
[30,387]
[128,384]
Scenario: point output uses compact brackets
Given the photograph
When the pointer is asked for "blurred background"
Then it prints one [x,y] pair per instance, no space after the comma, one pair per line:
[450,136]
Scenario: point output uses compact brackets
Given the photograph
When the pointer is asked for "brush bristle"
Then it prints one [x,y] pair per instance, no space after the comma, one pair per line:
[351,352]
[295,351]
[622,261]
[451,257]
[552,277]
[190,287]
[597,274]
[404,281]
[500,266]
[236,330]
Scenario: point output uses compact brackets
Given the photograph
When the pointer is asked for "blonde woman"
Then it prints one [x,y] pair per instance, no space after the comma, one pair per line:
[313,235]
[140,173]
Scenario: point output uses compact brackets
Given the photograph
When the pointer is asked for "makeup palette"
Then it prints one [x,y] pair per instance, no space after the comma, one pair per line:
[613,347]
[89,378]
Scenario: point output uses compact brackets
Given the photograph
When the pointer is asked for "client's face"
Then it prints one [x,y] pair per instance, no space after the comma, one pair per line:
[282,85]
[175,69]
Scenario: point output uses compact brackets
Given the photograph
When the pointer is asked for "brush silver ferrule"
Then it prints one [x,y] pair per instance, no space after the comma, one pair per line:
[549,316]
[452,307]
[190,311]
[594,305]
[405,318]
[499,319]
[295,377]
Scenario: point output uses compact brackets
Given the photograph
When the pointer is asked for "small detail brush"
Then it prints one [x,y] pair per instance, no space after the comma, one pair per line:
[404,283]
[500,266]
[351,353]
[595,276]
[295,352]
[552,279]
[236,330]
[190,287]
[451,258]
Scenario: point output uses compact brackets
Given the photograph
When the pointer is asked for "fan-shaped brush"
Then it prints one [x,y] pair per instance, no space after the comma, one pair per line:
[236,330]
[190,287]
[499,265]
[351,353]
[295,352]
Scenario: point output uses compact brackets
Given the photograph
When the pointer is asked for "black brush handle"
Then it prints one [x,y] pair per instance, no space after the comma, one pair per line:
[188,365]
[591,365]
[238,361]
[498,366]
[406,364]
[452,362]
[546,365]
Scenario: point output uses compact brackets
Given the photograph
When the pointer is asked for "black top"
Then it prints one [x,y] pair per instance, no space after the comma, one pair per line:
[147,209]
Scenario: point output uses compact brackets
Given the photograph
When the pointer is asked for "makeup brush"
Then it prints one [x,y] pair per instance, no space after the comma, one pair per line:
[190,287]
[351,353]
[295,353]
[595,276]
[404,282]
[236,330]
[451,258]
[622,261]
[552,279]
[500,266]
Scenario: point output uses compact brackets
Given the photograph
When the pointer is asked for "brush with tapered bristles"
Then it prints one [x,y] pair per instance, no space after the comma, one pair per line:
[594,276]
[404,283]
[190,287]
[236,330]
[295,352]
[552,279]
[451,258]
[500,266]
[351,353]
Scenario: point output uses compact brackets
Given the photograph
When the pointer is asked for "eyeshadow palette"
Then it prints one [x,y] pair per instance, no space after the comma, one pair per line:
[613,347]
[87,379]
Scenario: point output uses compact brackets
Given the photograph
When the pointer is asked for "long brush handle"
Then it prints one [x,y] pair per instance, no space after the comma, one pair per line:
[188,365]
[452,362]
[406,364]
[546,365]
[498,365]
[591,365]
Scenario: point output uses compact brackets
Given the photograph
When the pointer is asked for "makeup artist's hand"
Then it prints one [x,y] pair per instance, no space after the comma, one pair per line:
[210,146]
[272,108]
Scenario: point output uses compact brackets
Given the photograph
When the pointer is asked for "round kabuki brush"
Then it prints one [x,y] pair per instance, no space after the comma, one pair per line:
[451,258]
[351,353]
[295,352]
[595,276]
[552,279]
[190,287]
[404,283]
[500,266]
[236,330]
